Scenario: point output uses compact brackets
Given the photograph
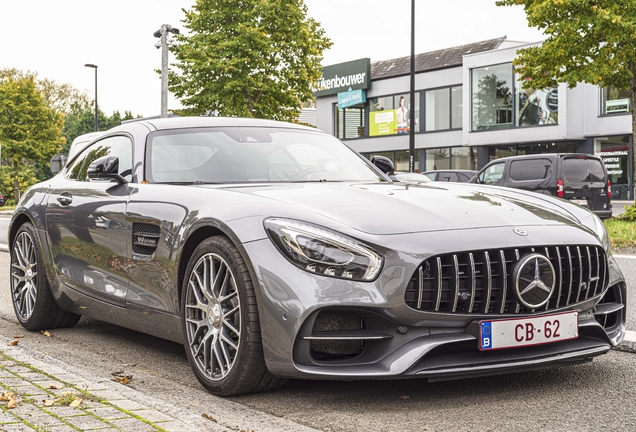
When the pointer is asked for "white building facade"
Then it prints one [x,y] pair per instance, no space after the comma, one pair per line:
[470,108]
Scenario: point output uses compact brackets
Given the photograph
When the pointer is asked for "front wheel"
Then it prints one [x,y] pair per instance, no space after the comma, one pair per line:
[220,322]
[31,296]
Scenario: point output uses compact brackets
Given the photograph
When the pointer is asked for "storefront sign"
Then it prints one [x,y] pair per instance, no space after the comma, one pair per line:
[382,123]
[338,78]
[351,98]
[614,162]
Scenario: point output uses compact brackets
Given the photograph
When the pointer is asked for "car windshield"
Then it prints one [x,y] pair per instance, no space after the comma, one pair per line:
[252,155]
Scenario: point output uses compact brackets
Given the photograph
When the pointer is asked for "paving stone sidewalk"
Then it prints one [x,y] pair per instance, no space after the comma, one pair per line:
[38,396]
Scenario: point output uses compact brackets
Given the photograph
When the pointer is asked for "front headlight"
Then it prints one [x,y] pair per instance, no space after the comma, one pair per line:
[319,250]
[601,232]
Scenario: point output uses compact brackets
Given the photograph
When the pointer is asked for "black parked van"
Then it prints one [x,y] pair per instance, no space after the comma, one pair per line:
[579,178]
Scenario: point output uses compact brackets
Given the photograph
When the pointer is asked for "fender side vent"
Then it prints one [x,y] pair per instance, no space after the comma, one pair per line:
[145,238]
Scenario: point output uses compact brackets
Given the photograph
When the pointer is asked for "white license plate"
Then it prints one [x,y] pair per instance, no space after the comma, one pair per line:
[519,332]
[580,202]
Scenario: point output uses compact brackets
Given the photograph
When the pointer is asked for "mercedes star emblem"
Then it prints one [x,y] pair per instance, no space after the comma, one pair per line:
[534,280]
[520,231]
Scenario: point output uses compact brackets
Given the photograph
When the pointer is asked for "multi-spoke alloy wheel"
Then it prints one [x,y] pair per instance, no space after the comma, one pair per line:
[24,274]
[220,320]
[31,295]
[212,315]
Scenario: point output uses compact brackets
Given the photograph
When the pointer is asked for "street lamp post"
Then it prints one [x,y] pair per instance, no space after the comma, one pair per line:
[89,65]
[412,94]
[162,33]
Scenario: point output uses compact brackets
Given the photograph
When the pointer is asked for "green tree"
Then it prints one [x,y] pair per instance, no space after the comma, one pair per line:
[29,129]
[62,97]
[82,121]
[248,58]
[591,41]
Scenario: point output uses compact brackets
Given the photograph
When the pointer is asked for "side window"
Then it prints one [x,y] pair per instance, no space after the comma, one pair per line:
[530,169]
[116,146]
[447,177]
[430,175]
[492,174]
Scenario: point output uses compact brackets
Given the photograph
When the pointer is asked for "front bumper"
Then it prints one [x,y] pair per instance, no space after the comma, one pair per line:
[395,341]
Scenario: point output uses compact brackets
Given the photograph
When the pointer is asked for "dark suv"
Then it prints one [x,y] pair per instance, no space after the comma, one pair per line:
[579,178]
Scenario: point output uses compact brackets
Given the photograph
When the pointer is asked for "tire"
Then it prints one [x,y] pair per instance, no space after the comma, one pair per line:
[31,296]
[220,321]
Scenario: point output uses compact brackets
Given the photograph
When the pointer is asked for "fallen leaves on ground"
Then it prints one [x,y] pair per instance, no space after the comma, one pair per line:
[77,402]
[46,333]
[48,402]
[10,398]
[405,397]
[121,377]
[209,417]
[13,343]
[18,336]
[56,386]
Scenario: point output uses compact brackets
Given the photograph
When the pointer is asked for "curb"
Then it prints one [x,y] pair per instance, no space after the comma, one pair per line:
[30,378]
[628,344]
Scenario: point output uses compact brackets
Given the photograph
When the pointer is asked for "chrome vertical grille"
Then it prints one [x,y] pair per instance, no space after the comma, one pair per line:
[481,282]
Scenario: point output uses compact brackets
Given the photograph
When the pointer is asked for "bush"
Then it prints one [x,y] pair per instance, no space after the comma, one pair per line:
[630,214]
[26,179]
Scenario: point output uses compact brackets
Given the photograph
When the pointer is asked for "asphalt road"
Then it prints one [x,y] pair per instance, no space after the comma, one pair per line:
[595,396]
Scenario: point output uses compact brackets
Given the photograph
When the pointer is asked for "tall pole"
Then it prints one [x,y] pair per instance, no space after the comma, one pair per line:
[89,65]
[163,43]
[164,71]
[412,94]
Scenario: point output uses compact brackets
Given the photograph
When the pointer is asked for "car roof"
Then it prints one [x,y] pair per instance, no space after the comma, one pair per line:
[194,122]
[545,156]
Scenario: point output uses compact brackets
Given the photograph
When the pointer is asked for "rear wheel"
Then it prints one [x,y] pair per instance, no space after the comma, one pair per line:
[31,296]
[220,322]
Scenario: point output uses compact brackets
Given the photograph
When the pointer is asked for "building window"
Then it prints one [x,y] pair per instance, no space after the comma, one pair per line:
[437,159]
[491,97]
[535,107]
[457,107]
[390,115]
[615,101]
[349,122]
[438,109]
[616,154]
[464,158]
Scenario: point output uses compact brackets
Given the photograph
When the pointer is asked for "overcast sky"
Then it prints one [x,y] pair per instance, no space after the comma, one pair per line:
[56,38]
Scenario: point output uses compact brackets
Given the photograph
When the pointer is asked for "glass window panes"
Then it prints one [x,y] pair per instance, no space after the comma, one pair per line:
[530,169]
[492,174]
[438,109]
[457,107]
[614,151]
[615,101]
[464,158]
[403,106]
[535,107]
[437,159]
[491,99]
[114,146]
[349,122]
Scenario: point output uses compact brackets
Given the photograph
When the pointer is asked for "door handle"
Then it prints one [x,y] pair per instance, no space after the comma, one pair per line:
[65,198]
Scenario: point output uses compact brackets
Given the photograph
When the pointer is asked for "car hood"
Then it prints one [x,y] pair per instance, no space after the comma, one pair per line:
[394,208]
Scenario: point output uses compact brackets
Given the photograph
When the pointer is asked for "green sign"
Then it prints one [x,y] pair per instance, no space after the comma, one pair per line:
[382,123]
[339,78]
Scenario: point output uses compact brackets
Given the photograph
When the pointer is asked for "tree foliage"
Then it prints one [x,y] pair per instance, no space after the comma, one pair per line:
[29,129]
[591,41]
[62,97]
[82,121]
[248,58]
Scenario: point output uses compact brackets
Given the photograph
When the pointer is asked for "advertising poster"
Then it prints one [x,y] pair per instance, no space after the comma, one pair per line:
[538,107]
[382,123]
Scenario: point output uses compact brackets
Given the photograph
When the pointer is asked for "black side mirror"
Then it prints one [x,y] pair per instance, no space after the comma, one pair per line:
[106,167]
[58,162]
[384,164]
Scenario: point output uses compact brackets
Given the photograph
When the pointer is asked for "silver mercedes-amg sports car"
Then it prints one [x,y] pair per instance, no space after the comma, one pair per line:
[273,251]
